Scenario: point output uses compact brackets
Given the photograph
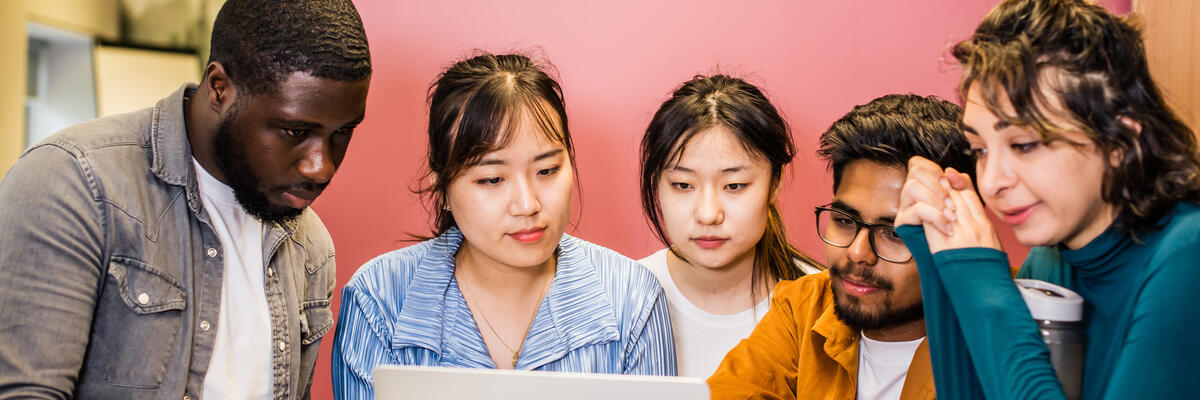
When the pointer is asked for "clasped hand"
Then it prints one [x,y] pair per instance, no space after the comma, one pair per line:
[945,203]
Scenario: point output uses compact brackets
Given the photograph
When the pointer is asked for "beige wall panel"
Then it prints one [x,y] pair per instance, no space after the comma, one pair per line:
[131,79]
[1173,48]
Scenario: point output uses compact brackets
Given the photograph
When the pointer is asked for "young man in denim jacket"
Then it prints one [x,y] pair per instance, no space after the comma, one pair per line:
[170,252]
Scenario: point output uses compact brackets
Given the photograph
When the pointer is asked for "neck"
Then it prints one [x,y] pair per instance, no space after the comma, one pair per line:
[720,290]
[1090,232]
[486,274]
[899,333]
[201,126]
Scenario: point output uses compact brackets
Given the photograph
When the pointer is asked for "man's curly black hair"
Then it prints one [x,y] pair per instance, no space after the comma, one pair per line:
[260,42]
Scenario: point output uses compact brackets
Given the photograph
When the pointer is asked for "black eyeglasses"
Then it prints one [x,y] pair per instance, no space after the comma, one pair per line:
[837,228]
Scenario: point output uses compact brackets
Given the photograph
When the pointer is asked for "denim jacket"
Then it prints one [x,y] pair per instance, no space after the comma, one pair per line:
[111,273]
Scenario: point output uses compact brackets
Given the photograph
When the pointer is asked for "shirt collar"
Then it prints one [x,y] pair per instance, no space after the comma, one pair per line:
[170,152]
[576,311]
[841,342]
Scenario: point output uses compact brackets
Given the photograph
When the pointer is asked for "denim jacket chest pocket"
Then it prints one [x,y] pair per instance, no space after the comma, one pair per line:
[138,321]
[312,265]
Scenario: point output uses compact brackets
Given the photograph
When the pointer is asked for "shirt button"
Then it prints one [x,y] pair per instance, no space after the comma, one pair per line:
[282,346]
[143,299]
[212,252]
[204,326]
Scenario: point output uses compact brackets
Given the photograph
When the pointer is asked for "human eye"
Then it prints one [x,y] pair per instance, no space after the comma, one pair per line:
[889,233]
[548,171]
[681,185]
[976,152]
[842,220]
[296,133]
[1026,147]
[495,180]
[735,187]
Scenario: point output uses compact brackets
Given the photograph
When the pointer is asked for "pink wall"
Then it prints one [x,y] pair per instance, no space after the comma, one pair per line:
[618,60]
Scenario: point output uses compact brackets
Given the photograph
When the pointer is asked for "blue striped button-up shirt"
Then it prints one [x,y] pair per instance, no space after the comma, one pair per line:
[603,313]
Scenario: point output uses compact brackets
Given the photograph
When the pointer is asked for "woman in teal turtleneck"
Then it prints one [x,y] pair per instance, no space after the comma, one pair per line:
[1078,152]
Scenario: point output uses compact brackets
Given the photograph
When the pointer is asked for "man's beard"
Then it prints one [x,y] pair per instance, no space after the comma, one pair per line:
[232,158]
[851,312]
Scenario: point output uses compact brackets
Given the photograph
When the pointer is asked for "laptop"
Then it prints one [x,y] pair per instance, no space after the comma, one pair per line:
[402,382]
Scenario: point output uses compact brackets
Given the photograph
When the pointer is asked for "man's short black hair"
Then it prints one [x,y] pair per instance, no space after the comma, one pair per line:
[260,42]
[891,129]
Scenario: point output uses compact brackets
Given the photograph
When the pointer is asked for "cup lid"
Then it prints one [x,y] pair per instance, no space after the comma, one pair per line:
[1048,301]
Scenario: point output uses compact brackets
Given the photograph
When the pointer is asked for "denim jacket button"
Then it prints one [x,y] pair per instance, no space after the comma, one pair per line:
[212,252]
[186,397]
[204,326]
[143,299]
[270,271]
[282,346]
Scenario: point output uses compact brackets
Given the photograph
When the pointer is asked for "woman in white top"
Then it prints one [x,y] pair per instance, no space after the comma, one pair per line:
[711,162]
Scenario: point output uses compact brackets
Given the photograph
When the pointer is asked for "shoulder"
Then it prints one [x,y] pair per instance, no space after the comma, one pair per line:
[389,274]
[609,264]
[657,264]
[1177,246]
[808,289]
[130,129]
[627,282]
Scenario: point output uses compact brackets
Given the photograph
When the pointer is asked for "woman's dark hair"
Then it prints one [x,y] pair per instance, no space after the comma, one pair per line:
[473,106]
[720,100]
[1075,61]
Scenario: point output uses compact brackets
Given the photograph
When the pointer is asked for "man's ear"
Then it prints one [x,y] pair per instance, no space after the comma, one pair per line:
[221,93]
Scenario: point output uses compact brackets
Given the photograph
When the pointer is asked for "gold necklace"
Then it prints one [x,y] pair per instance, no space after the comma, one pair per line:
[516,354]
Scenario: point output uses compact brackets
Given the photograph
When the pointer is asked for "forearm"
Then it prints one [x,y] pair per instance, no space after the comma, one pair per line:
[953,374]
[1000,336]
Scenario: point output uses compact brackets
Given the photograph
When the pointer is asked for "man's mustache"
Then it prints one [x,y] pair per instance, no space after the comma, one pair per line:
[864,274]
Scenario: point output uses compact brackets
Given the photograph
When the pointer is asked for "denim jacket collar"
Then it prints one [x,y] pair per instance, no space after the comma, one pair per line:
[171,156]
[575,312]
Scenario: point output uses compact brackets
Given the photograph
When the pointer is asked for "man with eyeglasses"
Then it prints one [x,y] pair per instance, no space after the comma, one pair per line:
[858,329]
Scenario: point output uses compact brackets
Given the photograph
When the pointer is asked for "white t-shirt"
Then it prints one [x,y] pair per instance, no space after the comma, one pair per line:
[882,367]
[241,359]
[701,338]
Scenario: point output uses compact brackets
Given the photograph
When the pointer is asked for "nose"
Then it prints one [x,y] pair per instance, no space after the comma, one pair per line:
[524,198]
[860,250]
[317,165]
[709,211]
[994,175]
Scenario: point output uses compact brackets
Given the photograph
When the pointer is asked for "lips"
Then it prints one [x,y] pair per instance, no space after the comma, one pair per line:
[710,242]
[528,235]
[300,198]
[857,287]
[1017,216]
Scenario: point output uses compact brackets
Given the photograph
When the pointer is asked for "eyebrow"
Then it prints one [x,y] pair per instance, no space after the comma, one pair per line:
[846,208]
[729,170]
[539,157]
[295,123]
[998,126]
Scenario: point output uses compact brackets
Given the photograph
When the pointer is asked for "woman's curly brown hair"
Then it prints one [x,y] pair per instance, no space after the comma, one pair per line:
[1076,61]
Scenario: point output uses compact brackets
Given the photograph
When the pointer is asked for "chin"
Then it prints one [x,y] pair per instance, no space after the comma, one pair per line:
[1033,237]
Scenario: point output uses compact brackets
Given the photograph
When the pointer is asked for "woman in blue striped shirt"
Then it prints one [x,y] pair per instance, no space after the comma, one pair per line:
[501,285]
